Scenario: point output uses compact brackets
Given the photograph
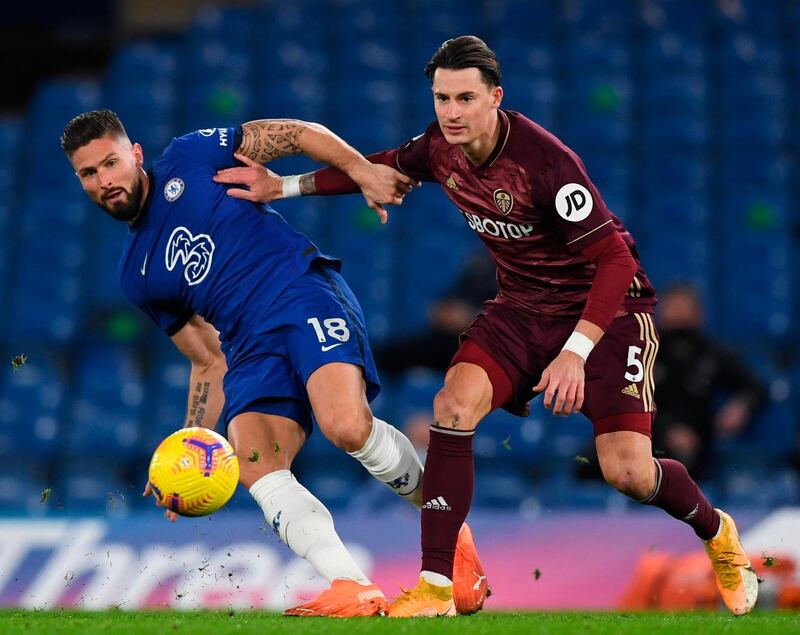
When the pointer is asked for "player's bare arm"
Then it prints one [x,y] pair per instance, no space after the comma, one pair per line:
[268,139]
[199,342]
[563,380]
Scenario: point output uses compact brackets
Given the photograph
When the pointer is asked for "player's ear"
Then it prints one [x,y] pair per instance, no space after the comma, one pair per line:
[497,96]
[138,154]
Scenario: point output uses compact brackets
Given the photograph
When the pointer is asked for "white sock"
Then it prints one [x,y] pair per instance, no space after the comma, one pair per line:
[389,456]
[435,578]
[305,525]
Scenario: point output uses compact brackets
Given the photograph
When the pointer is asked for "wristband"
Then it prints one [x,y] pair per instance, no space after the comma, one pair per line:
[579,344]
[290,186]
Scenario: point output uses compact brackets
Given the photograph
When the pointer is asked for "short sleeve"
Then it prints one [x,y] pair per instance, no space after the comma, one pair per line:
[581,211]
[168,321]
[213,147]
[413,157]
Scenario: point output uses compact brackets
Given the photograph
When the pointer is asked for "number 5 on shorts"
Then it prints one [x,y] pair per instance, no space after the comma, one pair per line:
[633,351]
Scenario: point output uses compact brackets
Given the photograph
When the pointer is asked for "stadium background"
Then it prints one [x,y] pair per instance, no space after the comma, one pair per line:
[685,114]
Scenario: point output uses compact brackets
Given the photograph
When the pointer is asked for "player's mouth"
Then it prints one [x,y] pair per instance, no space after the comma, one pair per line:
[454,130]
[114,196]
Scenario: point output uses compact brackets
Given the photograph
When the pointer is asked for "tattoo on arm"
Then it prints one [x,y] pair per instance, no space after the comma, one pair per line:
[267,139]
[197,411]
[307,184]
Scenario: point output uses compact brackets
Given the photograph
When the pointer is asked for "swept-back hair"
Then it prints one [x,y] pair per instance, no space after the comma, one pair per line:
[89,126]
[466,51]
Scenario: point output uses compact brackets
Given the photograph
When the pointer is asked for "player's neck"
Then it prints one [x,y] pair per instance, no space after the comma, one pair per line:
[479,149]
[145,191]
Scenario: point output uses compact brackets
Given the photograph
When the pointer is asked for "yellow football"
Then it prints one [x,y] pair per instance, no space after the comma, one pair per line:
[194,472]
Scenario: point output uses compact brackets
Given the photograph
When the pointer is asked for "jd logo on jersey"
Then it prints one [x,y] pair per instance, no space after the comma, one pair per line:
[504,201]
[194,252]
[574,202]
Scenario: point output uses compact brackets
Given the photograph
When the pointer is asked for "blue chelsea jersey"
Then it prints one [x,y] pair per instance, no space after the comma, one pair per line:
[197,250]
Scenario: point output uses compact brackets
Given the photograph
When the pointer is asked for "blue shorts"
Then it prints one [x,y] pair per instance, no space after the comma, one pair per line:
[315,321]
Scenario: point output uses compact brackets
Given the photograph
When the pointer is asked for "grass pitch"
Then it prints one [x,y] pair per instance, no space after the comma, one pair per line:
[241,623]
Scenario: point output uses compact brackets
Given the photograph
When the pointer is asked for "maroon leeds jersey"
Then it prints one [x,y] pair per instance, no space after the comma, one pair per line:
[534,208]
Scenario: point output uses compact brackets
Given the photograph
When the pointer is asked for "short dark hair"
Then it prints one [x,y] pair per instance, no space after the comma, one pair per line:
[466,51]
[89,126]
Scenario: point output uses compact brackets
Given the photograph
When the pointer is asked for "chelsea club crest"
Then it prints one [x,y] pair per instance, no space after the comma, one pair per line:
[173,189]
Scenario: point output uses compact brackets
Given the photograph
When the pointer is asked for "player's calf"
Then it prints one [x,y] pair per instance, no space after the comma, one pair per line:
[391,458]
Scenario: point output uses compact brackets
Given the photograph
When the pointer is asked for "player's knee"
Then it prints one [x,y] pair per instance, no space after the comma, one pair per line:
[628,479]
[347,428]
[451,411]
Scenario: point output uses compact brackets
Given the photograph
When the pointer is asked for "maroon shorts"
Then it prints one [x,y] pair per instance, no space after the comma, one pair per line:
[619,372]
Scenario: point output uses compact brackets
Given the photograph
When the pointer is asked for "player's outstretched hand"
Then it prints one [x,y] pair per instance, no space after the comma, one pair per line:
[564,380]
[170,515]
[382,185]
[261,185]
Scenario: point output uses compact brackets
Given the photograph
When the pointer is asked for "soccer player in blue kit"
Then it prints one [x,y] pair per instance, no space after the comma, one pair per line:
[272,330]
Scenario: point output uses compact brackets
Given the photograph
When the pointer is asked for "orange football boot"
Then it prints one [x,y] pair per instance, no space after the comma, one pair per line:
[344,598]
[736,579]
[470,587]
[424,600]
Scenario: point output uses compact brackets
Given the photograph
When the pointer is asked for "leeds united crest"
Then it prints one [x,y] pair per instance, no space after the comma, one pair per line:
[504,201]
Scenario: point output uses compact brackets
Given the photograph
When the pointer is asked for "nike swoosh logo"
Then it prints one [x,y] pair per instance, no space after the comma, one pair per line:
[144,264]
[325,349]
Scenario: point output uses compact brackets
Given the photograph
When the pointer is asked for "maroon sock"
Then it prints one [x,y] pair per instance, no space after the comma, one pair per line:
[678,495]
[447,486]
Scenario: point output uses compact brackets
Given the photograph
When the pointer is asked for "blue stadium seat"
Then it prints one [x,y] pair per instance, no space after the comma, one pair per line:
[414,395]
[143,60]
[108,403]
[443,20]
[93,488]
[334,481]
[11,130]
[500,484]
[668,259]
[674,53]
[363,19]
[505,437]
[280,63]
[368,59]
[167,391]
[54,104]
[563,491]
[302,96]
[22,488]
[541,20]
[211,103]
[102,277]
[31,409]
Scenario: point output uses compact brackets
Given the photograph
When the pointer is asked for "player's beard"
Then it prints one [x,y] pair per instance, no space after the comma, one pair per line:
[128,209]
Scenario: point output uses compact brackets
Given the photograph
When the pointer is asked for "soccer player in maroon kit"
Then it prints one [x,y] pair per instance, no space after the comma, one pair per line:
[573,318]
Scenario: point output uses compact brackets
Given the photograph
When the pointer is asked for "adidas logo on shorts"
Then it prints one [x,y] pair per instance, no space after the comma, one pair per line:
[631,391]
